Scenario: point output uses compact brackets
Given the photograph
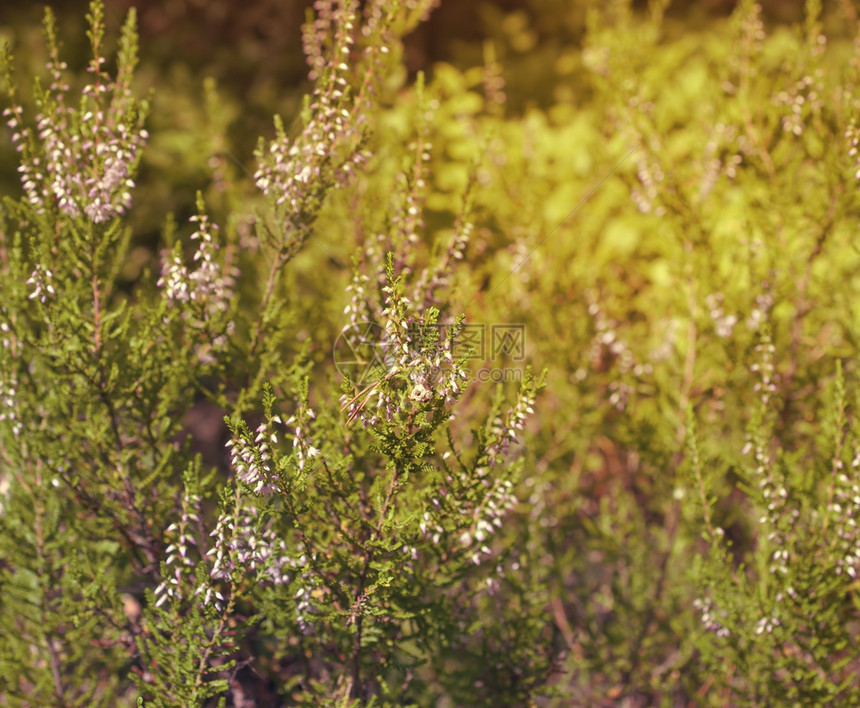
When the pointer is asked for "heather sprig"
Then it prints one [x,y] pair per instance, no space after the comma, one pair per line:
[188,640]
[410,337]
[419,367]
[297,173]
[207,291]
[81,160]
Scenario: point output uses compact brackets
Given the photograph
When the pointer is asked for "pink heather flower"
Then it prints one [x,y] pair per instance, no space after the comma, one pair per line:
[174,279]
[505,429]
[711,617]
[207,290]
[80,159]
[5,331]
[436,280]
[253,462]
[329,147]
[487,516]
[429,370]
[359,310]
[305,608]
[411,358]
[302,442]
[178,564]
[240,545]
[723,324]
[767,625]
[209,284]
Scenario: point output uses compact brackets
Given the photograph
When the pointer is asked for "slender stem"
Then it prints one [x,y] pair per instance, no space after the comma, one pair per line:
[370,554]
[256,338]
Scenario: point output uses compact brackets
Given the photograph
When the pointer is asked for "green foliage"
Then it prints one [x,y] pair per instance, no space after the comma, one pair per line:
[668,516]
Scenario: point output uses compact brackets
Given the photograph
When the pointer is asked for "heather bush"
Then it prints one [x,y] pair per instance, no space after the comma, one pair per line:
[259,459]
[129,566]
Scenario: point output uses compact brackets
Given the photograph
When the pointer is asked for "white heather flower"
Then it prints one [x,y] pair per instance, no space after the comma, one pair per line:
[723,324]
[40,281]
[766,625]
[329,147]
[174,280]
[210,287]
[8,403]
[90,151]
[711,617]
[252,467]
[4,489]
